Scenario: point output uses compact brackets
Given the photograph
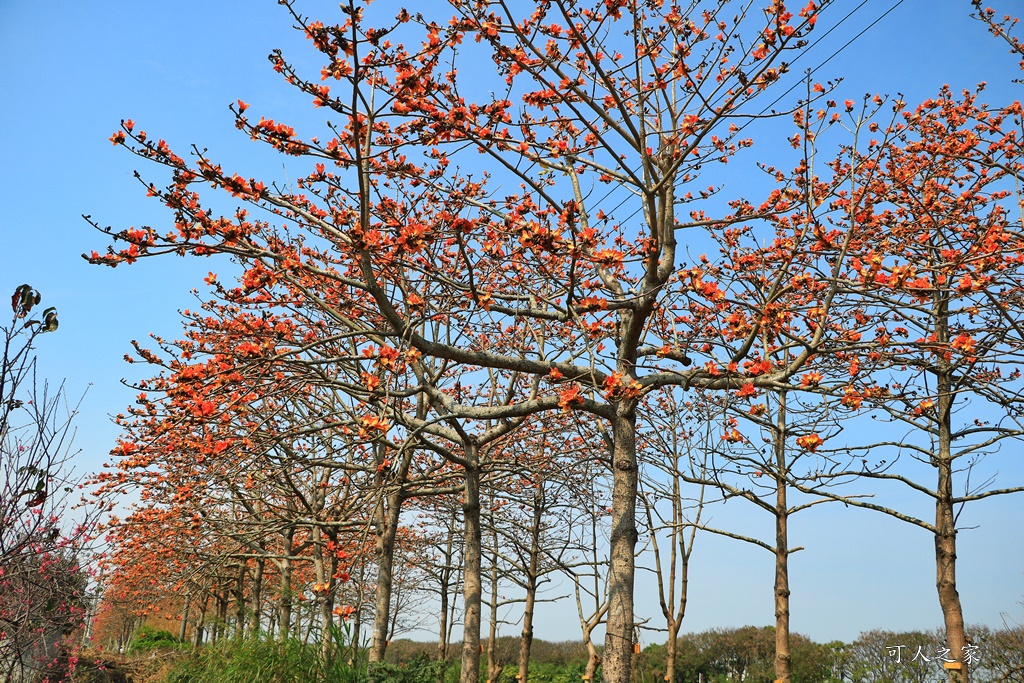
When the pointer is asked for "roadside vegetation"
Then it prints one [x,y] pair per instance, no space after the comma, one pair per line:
[715,656]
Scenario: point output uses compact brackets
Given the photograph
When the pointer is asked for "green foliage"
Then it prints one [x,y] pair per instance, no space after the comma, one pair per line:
[747,654]
[550,662]
[420,669]
[548,672]
[261,660]
[254,660]
[345,662]
[716,656]
[148,638]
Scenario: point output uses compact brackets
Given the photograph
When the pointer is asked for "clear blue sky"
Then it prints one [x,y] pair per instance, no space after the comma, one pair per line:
[75,68]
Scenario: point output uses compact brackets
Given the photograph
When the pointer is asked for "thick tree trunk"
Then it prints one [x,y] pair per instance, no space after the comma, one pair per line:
[386,532]
[783,661]
[494,664]
[326,624]
[945,537]
[526,638]
[357,628]
[618,644]
[593,658]
[184,617]
[949,598]
[322,571]
[471,580]
[671,653]
[330,602]
[201,623]
[945,522]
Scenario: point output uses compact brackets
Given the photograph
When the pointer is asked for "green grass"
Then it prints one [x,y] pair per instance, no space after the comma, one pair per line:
[254,660]
[262,660]
[149,638]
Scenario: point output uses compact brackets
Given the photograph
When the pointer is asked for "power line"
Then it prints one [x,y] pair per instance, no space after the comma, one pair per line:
[780,97]
[794,86]
[834,54]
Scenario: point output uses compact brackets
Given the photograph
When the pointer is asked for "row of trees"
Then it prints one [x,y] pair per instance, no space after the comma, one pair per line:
[747,654]
[480,312]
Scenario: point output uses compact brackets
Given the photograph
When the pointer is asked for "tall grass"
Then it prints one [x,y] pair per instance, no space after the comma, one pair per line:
[253,660]
[148,638]
[262,660]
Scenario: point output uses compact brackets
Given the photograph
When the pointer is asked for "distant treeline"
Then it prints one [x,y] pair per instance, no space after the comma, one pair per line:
[727,655]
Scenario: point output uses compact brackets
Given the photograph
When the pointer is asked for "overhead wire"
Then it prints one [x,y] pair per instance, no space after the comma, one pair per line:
[791,88]
[834,54]
[794,86]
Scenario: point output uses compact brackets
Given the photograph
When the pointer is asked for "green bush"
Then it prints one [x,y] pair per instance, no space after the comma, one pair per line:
[548,672]
[148,638]
[420,669]
[250,661]
[262,660]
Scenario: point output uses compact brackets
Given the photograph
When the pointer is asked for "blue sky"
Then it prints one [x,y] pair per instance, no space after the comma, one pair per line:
[75,69]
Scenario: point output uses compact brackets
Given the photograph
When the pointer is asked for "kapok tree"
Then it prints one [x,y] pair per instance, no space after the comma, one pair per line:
[159,562]
[1002,26]
[248,451]
[621,106]
[757,444]
[358,386]
[764,435]
[934,278]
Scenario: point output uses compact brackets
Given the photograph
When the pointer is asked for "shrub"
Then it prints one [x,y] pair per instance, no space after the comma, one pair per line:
[148,638]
